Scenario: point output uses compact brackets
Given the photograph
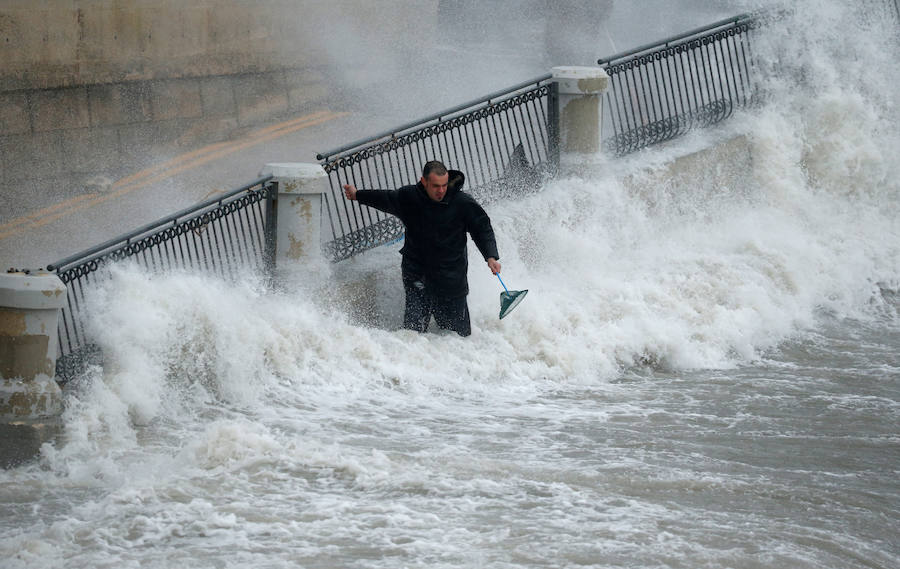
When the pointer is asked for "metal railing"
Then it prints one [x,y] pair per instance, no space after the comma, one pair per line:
[662,90]
[222,236]
[502,142]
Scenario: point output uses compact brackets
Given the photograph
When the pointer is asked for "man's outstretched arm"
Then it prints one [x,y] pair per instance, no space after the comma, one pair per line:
[384,200]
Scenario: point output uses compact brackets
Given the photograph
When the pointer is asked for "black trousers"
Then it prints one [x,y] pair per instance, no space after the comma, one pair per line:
[421,305]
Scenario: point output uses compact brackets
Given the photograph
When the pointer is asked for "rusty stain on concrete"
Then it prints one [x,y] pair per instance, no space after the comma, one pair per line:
[12,322]
[306,210]
[24,404]
[296,249]
[581,121]
[25,356]
[593,85]
[52,293]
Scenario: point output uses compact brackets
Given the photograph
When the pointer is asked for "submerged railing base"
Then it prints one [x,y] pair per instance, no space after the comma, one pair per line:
[74,364]
[224,236]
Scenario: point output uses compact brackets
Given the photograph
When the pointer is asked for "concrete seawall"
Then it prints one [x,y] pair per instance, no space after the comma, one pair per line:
[92,90]
[66,43]
[70,136]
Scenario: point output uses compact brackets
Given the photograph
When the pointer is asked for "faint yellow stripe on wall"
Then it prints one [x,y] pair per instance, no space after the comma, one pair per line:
[162,171]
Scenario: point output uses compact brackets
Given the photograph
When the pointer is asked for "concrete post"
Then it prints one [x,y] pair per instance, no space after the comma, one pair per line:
[299,221]
[30,399]
[580,109]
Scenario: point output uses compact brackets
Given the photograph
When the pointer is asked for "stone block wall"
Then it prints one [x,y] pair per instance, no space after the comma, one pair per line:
[97,88]
[58,43]
[72,134]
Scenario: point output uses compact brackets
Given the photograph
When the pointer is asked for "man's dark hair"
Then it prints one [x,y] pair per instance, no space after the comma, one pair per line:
[434,167]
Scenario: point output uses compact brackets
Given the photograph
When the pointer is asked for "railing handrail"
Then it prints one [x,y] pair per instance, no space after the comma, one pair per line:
[638,51]
[127,237]
[436,117]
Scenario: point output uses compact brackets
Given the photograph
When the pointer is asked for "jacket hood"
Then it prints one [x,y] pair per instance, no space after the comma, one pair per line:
[455,182]
[454,185]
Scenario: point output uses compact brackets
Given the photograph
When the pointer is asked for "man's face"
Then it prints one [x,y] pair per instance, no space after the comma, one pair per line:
[436,186]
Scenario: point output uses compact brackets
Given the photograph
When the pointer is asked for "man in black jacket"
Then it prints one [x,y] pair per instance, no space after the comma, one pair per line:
[437,215]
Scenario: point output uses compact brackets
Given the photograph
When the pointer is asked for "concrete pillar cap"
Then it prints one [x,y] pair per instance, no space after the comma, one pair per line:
[36,291]
[298,177]
[579,80]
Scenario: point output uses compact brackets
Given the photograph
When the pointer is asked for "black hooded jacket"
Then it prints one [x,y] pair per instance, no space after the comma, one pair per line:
[435,246]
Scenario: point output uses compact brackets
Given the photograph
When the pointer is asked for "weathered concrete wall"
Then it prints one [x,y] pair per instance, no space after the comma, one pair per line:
[65,136]
[57,43]
[93,89]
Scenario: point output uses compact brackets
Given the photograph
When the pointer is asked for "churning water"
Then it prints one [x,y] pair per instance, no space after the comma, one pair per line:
[700,376]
